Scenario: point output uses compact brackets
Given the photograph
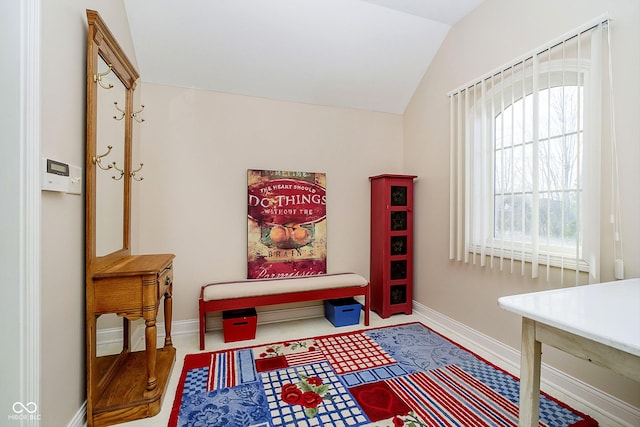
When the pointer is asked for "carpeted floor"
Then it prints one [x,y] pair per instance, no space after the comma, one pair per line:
[404,375]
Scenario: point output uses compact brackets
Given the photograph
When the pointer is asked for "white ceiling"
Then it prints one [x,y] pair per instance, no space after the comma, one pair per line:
[366,54]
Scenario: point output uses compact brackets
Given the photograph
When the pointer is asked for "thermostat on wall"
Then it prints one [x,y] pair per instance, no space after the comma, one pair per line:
[55,175]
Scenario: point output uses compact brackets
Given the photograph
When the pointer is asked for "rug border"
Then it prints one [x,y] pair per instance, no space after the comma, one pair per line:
[587,421]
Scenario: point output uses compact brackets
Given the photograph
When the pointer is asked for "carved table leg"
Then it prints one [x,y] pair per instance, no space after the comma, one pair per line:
[149,312]
[168,310]
[150,341]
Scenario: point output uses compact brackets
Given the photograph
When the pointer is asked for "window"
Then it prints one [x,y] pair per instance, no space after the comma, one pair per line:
[558,183]
[525,160]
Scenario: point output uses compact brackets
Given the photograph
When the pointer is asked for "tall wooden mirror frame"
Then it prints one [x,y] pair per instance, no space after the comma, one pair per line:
[102,43]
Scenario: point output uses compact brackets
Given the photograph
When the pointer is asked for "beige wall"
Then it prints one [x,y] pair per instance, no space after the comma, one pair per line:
[197,146]
[496,32]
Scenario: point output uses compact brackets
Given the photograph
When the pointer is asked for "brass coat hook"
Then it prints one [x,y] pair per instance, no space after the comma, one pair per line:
[97,160]
[119,170]
[98,78]
[133,173]
[135,114]
[122,112]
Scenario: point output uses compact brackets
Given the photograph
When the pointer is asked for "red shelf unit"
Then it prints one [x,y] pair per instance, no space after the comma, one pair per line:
[391,264]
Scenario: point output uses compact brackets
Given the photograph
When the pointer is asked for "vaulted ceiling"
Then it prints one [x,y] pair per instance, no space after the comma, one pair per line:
[365,54]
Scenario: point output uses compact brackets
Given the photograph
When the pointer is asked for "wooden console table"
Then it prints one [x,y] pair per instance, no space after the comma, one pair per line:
[599,323]
[129,385]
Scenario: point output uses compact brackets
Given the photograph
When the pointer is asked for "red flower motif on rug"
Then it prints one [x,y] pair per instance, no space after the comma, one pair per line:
[409,420]
[283,355]
[309,392]
[291,394]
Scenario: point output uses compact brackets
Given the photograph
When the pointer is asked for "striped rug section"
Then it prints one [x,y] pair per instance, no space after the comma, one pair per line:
[222,371]
[447,397]
[295,359]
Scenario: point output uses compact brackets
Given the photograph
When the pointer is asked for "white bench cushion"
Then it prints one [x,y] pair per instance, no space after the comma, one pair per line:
[259,287]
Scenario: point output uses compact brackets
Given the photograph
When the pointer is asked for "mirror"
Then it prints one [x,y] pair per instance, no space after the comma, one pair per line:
[110,137]
[111,80]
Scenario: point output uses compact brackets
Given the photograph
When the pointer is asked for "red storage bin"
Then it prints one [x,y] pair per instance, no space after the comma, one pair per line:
[239,325]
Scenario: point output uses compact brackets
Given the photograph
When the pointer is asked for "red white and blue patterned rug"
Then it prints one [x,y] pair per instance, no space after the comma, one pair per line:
[404,375]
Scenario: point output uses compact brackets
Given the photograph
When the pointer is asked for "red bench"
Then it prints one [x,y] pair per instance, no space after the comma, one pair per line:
[259,292]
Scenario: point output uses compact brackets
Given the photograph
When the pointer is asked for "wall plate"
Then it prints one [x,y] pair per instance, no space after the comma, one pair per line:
[75,180]
[55,175]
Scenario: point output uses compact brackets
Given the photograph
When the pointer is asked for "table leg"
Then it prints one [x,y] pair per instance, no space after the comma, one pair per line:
[126,334]
[149,313]
[530,360]
[150,341]
[367,305]
[168,313]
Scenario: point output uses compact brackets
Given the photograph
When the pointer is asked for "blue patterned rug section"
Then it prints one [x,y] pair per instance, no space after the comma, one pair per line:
[404,375]
[243,405]
[417,348]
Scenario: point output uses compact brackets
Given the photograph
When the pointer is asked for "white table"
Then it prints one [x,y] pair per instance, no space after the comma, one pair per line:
[599,323]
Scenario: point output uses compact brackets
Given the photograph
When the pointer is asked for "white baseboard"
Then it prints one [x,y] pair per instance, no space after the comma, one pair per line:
[606,409]
[113,336]
[80,418]
[274,315]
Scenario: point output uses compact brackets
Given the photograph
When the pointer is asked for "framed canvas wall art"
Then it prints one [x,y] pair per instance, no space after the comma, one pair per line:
[287,224]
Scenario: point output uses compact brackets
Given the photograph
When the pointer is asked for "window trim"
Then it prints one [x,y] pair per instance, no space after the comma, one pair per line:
[560,73]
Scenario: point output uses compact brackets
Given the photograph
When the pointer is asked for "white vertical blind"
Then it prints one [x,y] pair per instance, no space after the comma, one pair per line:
[468,204]
[453,214]
[593,129]
[525,170]
[534,168]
